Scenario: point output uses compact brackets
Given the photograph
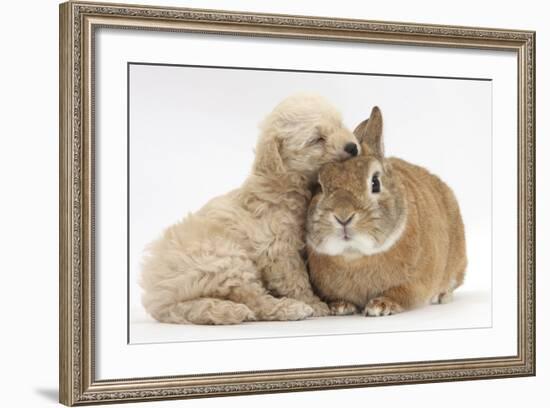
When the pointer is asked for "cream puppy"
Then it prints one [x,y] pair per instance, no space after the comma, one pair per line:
[240,257]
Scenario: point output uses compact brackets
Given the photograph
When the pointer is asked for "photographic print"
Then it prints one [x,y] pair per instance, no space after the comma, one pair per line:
[224,163]
[255,203]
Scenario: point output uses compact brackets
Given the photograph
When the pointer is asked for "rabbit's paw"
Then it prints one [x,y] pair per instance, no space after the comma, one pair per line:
[342,308]
[442,298]
[382,306]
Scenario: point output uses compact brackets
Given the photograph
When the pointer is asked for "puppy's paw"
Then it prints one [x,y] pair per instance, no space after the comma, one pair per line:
[291,309]
[342,308]
[241,313]
[382,306]
[319,308]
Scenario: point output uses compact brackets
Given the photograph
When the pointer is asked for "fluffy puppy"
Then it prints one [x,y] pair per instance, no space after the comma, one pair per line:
[240,258]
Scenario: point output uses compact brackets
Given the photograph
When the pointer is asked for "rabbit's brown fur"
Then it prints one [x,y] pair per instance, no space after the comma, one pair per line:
[413,245]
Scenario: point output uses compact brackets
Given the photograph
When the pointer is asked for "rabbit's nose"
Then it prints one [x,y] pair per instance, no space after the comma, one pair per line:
[351,148]
[346,221]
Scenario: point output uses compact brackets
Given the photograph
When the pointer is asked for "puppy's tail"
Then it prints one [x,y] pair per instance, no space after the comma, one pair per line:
[204,311]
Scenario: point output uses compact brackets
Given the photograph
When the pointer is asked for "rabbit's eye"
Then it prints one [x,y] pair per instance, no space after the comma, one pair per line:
[375,184]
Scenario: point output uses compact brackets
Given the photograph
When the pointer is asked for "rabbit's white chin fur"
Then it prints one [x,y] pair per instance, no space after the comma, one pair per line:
[359,244]
[355,246]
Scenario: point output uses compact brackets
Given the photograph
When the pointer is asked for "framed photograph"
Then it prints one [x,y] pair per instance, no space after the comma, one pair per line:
[254,203]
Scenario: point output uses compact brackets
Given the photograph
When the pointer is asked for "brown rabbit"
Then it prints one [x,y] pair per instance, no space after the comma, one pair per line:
[383,235]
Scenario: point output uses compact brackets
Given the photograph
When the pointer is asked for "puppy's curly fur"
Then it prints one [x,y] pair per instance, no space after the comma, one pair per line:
[239,258]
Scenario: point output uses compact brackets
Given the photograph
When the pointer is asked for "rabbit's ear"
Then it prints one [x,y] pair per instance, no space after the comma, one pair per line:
[369,134]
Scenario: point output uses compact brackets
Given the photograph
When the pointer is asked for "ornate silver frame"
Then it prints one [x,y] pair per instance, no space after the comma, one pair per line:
[78,20]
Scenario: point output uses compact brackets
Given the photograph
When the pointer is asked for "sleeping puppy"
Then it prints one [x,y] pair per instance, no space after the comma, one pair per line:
[239,258]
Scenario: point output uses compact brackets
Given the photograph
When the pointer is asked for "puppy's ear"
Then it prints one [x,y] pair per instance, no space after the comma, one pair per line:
[369,134]
[268,156]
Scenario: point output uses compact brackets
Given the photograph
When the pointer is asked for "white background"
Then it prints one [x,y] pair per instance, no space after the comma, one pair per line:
[192,133]
[29,216]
